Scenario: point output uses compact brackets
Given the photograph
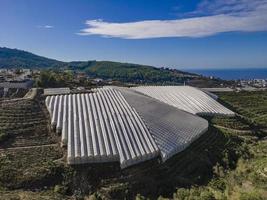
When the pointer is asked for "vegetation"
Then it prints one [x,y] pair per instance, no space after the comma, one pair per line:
[12,93]
[222,164]
[14,58]
[56,78]
[23,122]
[26,173]
[235,122]
[205,82]
[30,195]
[125,72]
[50,78]
[3,136]
[252,105]
[30,157]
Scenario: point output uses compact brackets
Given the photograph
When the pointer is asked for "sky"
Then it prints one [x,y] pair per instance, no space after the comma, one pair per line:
[179,34]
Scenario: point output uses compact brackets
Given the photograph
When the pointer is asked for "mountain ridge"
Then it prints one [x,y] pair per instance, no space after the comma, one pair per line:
[15,58]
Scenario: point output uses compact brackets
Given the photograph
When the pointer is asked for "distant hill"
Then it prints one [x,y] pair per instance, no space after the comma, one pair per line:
[128,72]
[14,58]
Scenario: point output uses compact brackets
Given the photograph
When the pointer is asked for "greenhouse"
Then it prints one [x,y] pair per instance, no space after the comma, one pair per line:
[56,91]
[100,127]
[186,98]
[172,129]
[121,125]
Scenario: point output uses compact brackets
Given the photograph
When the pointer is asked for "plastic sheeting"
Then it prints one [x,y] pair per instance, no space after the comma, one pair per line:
[186,98]
[56,91]
[121,124]
[172,129]
[100,127]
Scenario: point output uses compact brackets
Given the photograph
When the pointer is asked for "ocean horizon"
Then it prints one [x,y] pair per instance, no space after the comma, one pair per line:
[233,74]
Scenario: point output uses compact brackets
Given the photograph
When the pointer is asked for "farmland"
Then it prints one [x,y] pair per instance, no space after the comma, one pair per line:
[225,163]
[23,122]
[252,105]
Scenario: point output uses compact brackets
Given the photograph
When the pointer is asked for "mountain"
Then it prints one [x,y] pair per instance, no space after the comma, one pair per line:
[14,58]
[128,72]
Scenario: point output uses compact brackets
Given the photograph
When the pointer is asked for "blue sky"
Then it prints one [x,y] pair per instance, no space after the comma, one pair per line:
[175,33]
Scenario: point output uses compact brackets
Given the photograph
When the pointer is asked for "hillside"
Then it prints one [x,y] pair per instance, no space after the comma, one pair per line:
[227,162]
[13,58]
[127,72]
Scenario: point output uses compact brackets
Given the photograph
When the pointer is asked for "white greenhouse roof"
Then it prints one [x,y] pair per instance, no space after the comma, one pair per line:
[120,124]
[56,91]
[101,127]
[172,129]
[186,98]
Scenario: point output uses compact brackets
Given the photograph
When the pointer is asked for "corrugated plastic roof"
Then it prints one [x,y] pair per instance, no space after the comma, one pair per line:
[186,98]
[123,124]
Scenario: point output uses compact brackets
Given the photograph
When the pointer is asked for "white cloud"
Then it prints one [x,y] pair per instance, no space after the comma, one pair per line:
[219,16]
[46,26]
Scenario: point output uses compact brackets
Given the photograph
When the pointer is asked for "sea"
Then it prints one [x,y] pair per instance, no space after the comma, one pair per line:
[233,74]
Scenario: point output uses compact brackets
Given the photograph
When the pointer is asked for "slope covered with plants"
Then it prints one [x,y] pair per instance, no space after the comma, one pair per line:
[126,72]
[14,58]
[227,162]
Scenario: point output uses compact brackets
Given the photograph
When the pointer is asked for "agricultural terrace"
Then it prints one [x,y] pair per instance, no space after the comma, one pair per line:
[252,105]
[227,162]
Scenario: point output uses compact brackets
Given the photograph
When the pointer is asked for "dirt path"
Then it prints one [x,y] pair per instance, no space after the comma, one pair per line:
[28,147]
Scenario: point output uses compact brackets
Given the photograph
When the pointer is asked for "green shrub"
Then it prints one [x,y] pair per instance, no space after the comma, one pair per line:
[207,195]
[218,184]
[254,195]
[140,197]
[60,189]
[181,194]
[162,198]
[3,136]
[94,196]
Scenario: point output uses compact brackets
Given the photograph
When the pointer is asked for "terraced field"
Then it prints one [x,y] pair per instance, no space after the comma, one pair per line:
[194,166]
[28,149]
[221,164]
[31,167]
[252,105]
[24,122]
[13,93]
[235,122]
